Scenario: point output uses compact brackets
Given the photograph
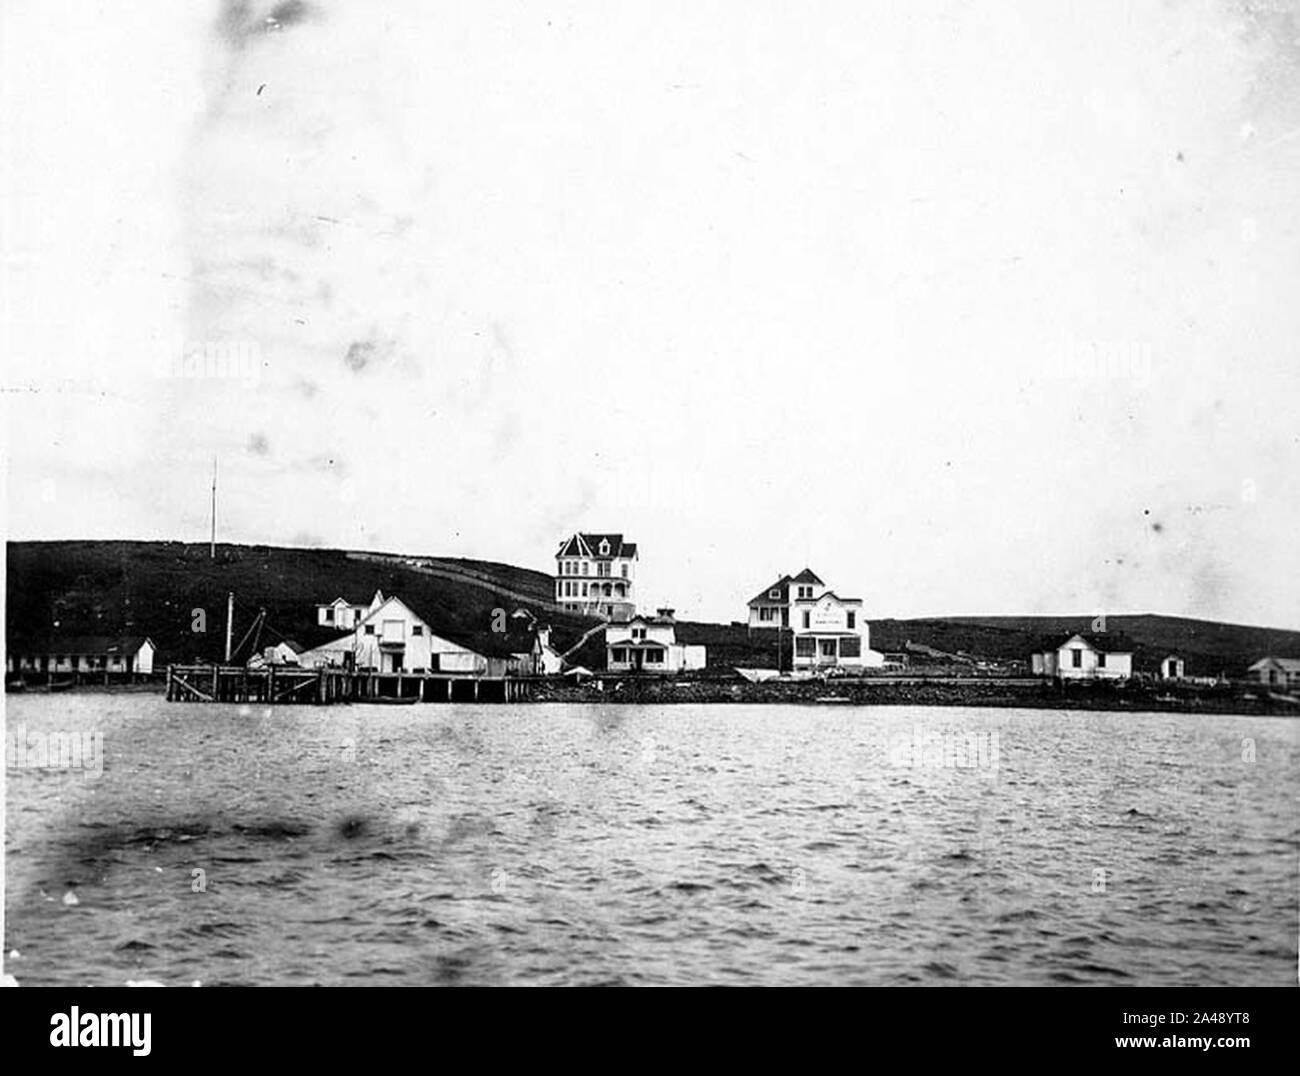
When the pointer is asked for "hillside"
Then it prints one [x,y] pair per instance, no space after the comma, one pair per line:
[152,588]
[111,588]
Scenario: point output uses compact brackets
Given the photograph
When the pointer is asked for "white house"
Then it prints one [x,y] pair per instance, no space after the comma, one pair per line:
[392,638]
[649,644]
[1085,656]
[770,607]
[830,631]
[1172,667]
[131,654]
[1276,672]
[343,614]
[596,574]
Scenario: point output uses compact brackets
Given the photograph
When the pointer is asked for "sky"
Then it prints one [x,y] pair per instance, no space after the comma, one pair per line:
[973,308]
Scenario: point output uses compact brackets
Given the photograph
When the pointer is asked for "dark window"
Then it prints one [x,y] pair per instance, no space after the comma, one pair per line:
[370,629]
[807,619]
[852,619]
[1101,661]
[417,629]
[329,616]
[805,647]
[1076,658]
[850,646]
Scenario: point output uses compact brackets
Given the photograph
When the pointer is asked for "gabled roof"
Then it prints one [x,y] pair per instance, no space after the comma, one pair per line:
[1289,664]
[782,585]
[584,544]
[1103,642]
[808,576]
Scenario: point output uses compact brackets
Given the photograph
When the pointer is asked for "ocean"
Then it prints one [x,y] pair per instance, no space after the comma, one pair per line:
[640,845]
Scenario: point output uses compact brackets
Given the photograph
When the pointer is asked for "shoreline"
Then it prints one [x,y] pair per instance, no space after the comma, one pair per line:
[990,694]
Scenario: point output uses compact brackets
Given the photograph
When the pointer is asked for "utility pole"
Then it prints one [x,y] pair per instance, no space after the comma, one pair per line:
[230,616]
[212,550]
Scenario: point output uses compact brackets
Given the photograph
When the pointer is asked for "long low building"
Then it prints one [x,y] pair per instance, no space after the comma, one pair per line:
[392,638]
[121,654]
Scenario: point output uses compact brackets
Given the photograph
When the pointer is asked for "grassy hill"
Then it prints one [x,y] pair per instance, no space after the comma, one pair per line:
[152,588]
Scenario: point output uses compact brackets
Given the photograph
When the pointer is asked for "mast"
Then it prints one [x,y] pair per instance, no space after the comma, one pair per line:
[230,616]
[212,549]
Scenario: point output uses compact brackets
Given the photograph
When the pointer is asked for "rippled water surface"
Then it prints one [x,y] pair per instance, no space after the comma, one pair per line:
[646,845]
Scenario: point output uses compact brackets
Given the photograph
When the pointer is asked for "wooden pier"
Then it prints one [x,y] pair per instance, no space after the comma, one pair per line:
[292,685]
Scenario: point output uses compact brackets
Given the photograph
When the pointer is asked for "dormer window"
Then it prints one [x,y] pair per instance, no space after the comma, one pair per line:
[604,547]
[774,594]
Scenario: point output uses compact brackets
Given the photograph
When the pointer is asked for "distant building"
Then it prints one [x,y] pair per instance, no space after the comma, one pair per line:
[1085,656]
[547,661]
[1276,672]
[596,574]
[649,644]
[343,614]
[392,638]
[126,654]
[1172,667]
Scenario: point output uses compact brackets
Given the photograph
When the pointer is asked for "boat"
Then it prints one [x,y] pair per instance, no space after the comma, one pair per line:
[388,700]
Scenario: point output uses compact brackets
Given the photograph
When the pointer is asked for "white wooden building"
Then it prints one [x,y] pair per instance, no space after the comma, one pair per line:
[343,614]
[126,654]
[649,644]
[831,632]
[390,638]
[596,574]
[1085,656]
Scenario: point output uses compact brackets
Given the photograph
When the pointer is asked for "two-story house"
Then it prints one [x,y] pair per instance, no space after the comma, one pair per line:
[828,631]
[649,644]
[770,608]
[596,574]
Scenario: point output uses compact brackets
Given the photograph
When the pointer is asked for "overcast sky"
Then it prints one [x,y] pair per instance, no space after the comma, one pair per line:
[974,308]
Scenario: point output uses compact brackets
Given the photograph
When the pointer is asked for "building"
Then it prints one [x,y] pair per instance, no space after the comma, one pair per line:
[547,661]
[830,632]
[287,652]
[1084,656]
[1276,672]
[343,614]
[391,638]
[649,644]
[127,655]
[596,574]
[770,607]
[1172,667]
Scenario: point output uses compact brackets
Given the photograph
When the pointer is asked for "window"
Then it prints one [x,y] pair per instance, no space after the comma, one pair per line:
[638,633]
[1101,661]
[851,619]
[585,566]
[850,646]
[624,571]
[1076,658]
[805,647]
[370,629]
[584,590]
[805,592]
[654,657]
[604,548]
[807,620]
[774,594]
[417,629]
[329,616]
[620,655]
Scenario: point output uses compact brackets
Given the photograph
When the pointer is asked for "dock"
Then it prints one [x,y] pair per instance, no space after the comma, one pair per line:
[293,685]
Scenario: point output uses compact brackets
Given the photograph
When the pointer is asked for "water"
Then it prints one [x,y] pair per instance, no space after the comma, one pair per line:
[652,845]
